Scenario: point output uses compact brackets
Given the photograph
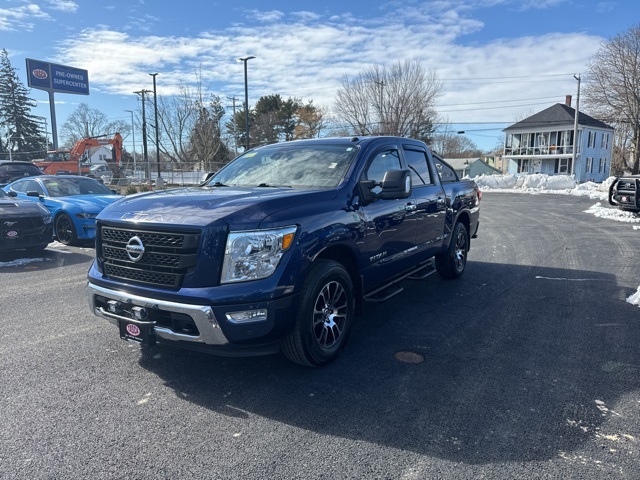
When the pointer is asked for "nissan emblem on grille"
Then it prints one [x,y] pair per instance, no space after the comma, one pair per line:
[135,249]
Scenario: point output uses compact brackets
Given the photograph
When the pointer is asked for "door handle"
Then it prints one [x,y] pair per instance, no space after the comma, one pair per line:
[440,202]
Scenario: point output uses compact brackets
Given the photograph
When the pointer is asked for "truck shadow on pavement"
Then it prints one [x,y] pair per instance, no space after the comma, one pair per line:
[52,257]
[512,363]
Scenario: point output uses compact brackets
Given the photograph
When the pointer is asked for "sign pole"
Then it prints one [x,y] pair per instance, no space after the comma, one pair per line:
[54,125]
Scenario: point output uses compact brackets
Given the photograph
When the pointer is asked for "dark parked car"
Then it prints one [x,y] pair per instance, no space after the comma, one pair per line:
[23,224]
[10,171]
[74,203]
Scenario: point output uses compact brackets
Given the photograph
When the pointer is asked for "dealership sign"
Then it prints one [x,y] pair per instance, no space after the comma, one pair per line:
[57,78]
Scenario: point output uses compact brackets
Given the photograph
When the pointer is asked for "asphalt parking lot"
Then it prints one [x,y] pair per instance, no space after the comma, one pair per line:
[526,367]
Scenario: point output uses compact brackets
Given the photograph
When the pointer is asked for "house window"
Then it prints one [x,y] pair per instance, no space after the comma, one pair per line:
[562,165]
[605,141]
[589,165]
[603,165]
[523,165]
[591,140]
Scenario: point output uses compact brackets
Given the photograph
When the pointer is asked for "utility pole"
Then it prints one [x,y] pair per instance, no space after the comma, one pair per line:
[133,133]
[382,128]
[575,129]
[235,126]
[159,181]
[145,157]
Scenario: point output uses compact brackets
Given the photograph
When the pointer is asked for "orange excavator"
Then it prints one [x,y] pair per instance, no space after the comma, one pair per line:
[78,160]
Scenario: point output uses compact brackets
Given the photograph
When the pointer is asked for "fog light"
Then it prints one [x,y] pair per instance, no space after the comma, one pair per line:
[246,316]
[114,306]
[139,313]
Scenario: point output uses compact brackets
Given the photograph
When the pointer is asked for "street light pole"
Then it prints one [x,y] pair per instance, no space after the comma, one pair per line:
[246,100]
[133,133]
[159,181]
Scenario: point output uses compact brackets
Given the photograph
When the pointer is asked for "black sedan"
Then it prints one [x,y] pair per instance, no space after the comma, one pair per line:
[24,225]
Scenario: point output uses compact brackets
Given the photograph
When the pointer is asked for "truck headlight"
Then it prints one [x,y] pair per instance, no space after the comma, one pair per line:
[255,254]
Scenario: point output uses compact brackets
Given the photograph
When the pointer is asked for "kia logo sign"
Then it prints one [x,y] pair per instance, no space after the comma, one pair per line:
[133,330]
[135,249]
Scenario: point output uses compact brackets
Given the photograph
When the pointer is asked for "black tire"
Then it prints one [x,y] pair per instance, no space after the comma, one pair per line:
[65,231]
[451,264]
[324,316]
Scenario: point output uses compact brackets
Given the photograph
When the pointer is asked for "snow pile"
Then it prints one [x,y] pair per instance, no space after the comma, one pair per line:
[612,213]
[635,298]
[538,183]
[21,261]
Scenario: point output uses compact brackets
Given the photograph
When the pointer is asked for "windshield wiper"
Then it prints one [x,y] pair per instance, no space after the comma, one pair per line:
[266,185]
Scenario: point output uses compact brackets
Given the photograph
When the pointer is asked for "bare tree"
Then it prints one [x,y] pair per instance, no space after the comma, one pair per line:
[207,147]
[177,116]
[397,100]
[612,90]
[450,144]
[86,122]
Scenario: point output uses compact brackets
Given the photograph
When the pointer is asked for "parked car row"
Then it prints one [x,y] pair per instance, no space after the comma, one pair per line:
[35,209]
[10,171]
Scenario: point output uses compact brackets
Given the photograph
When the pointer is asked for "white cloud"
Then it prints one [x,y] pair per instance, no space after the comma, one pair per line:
[21,18]
[308,58]
[63,5]
[265,17]
[306,16]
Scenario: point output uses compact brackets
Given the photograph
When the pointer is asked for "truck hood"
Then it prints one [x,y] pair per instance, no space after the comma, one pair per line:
[202,206]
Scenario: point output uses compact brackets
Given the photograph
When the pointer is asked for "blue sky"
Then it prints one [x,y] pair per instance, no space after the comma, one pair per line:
[499,60]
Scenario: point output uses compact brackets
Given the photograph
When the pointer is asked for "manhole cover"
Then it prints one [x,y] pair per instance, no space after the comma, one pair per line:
[409,357]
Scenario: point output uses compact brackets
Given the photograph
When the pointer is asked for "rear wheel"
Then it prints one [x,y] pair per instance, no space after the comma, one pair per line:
[451,264]
[65,230]
[324,316]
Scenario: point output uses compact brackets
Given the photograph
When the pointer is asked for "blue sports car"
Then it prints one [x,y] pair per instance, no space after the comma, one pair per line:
[74,203]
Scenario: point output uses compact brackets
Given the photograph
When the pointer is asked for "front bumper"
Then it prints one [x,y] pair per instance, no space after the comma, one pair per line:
[161,316]
[195,327]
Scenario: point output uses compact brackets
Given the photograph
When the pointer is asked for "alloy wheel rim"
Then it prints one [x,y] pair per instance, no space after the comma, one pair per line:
[330,314]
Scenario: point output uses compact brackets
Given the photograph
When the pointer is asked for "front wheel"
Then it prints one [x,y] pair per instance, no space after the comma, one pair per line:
[324,316]
[65,230]
[451,264]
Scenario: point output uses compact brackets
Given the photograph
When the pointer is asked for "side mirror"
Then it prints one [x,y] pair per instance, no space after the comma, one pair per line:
[32,193]
[395,184]
[11,193]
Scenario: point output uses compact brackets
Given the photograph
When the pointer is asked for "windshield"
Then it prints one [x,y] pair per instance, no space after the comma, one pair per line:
[289,165]
[65,187]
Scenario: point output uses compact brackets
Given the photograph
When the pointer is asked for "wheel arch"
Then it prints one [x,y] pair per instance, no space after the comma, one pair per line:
[463,217]
[347,258]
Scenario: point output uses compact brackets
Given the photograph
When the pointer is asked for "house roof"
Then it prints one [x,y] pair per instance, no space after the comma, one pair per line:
[93,150]
[558,115]
[460,163]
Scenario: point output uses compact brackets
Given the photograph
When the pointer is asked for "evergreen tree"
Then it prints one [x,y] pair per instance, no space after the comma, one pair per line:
[20,132]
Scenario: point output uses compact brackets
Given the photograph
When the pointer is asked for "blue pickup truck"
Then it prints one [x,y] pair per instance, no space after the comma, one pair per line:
[279,249]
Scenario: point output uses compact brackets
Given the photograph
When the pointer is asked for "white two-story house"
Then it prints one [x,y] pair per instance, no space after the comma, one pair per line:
[543,143]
